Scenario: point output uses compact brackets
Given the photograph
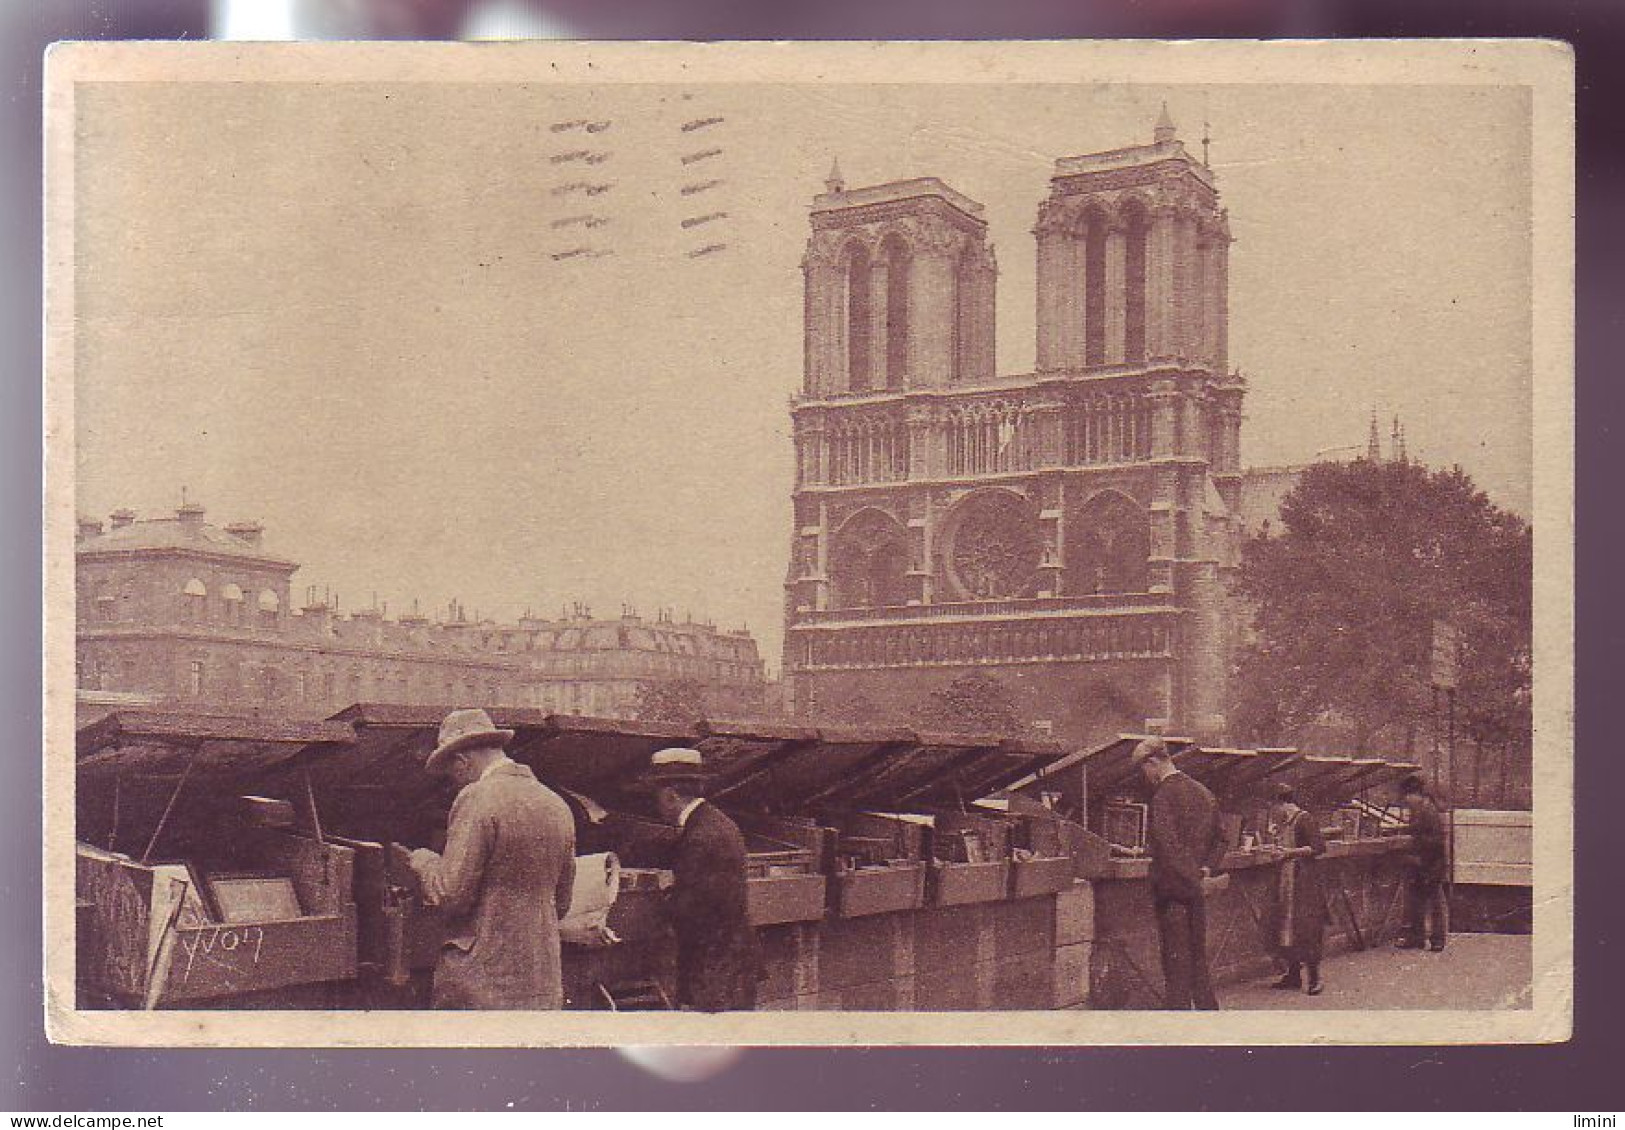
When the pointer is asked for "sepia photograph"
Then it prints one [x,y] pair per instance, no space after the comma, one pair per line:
[594,544]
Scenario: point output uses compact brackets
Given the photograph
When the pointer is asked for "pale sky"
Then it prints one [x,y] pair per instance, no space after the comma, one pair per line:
[336,308]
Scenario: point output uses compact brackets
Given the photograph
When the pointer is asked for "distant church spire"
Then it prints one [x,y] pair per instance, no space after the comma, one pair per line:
[835,182]
[1373,445]
[1165,126]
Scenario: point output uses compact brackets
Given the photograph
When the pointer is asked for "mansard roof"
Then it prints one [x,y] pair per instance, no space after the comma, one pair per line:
[150,537]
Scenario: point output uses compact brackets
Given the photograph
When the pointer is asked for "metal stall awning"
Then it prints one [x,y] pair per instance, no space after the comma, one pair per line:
[380,790]
[1257,773]
[199,760]
[573,751]
[1215,767]
[795,770]
[1381,776]
[751,766]
[790,772]
[157,742]
[1329,781]
[883,770]
[1311,777]
[1111,766]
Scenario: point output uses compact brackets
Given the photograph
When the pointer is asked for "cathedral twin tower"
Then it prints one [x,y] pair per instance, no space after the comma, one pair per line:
[1070,531]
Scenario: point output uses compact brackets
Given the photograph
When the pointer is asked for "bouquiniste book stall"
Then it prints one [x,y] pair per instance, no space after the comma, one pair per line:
[254,862]
[1354,799]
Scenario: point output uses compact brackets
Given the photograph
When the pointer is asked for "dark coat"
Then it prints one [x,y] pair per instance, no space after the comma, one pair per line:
[718,955]
[1183,837]
[503,884]
[1296,923]
[1430,853]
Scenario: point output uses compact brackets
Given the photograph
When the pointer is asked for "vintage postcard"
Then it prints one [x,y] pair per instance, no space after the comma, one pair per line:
[869,543]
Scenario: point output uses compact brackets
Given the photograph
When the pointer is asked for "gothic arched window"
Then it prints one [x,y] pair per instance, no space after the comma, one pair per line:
[964,308]
[1108,546]
[1094,290]
[858,321]
[1134,275]
[869,562]
[896,257]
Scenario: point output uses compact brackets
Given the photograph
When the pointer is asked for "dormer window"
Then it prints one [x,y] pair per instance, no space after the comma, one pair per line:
[232,595]
[270,606]
[194,597]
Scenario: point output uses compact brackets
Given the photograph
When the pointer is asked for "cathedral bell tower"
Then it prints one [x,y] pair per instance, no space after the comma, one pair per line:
[1133,260]
[899,289]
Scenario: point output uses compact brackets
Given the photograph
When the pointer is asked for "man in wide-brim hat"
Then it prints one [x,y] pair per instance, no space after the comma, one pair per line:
[718,954]
[506,877]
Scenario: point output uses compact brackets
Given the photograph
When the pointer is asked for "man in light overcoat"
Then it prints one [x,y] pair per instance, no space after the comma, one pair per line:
[506,876]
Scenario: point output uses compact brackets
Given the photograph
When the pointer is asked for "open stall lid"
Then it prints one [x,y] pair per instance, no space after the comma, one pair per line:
[1214,767]
[791,771]
[1110,766]
[241,749]
[1306,774]
[879,769]
[588,756]
[1330,781]
[197,761]
[1387,774]
[754,766]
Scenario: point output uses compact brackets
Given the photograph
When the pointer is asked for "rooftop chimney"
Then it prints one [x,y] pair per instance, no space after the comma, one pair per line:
[122,518]
[190,512]
[317,609]
[251,532]
[88,528]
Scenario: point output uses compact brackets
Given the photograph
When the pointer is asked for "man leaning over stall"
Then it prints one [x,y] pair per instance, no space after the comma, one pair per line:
[1428,868]
[505,879]
[718,954]
[1185,847]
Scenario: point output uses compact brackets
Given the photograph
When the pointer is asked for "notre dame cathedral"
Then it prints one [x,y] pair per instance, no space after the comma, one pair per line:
[1072,532]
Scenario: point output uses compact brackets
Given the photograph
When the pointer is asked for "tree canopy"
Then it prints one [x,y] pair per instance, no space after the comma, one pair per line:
[671,700]
[1346,594]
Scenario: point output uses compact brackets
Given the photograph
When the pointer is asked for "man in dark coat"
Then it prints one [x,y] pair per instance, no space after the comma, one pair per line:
[1185,847]
[1429,868]
[718,954]
[506,877]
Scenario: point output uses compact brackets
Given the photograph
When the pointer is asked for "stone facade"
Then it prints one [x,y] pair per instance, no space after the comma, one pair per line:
[180,611]
[1071,531]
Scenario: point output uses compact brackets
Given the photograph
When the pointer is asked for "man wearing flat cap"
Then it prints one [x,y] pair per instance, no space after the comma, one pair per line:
[1428,869]
[1185,844]
[718,956]
[506,877]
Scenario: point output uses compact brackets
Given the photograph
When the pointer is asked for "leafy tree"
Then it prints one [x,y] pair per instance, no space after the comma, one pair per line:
[671,700]
[1370,556]
[974,703]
